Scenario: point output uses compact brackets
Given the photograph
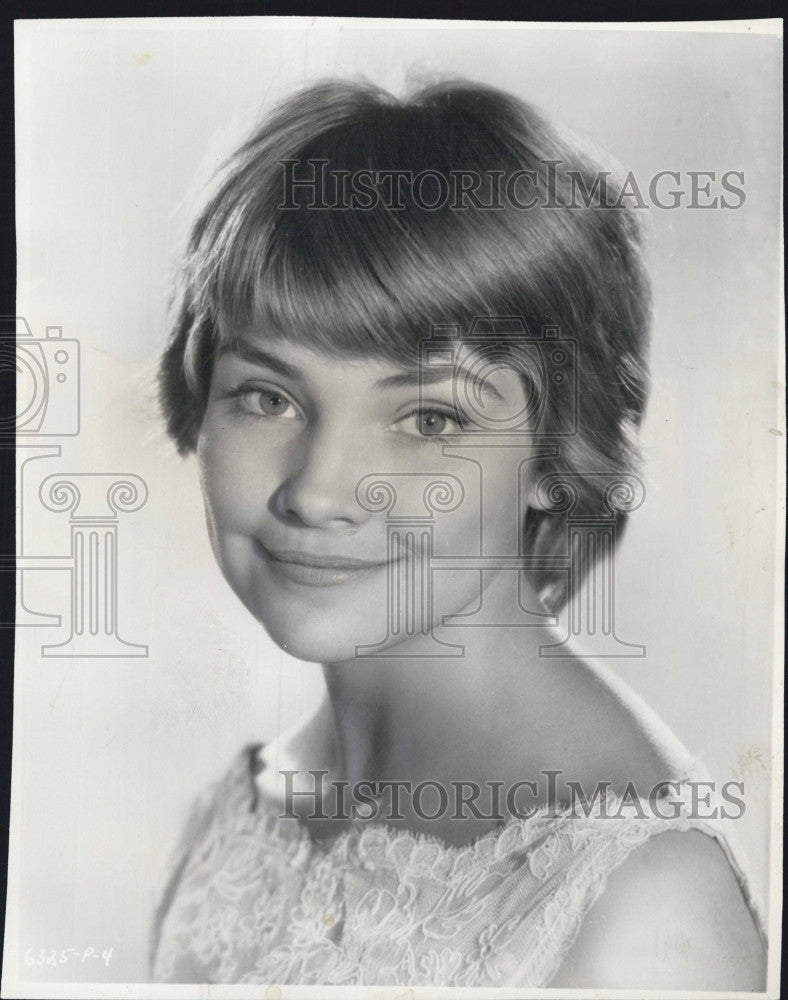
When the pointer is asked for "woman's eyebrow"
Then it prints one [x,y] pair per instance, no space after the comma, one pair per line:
[433,375]
[259,356]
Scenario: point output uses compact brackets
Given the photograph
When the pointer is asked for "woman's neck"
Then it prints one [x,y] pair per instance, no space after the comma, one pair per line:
[502,712]
[454,717]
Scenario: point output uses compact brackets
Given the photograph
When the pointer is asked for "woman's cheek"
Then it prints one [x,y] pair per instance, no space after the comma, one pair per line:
[240,471]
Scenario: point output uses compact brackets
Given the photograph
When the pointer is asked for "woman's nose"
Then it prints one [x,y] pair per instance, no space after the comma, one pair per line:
[320,487]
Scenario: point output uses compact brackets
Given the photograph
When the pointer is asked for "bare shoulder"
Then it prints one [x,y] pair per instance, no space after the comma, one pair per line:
[672,917]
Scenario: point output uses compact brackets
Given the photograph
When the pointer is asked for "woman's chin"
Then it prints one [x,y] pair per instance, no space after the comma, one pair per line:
[312,628]
[314,646]
[316,640]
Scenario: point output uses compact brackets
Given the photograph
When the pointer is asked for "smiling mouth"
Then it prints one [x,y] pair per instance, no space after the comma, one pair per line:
[314,570]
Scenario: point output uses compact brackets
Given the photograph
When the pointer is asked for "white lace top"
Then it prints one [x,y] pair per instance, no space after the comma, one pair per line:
[254,899]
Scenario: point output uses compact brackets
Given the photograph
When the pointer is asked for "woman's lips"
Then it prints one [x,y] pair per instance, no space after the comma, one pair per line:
[314,570]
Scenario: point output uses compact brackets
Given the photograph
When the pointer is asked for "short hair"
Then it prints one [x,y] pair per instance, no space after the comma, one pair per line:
[374,281]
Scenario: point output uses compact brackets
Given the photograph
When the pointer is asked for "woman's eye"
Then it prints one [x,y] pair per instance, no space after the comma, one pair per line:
[265,403]
[431,423]
[428,423]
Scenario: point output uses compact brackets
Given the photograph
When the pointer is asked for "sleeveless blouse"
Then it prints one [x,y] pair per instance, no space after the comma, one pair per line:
[254,899]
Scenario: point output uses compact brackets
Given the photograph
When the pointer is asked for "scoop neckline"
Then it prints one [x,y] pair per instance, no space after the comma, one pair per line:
[355,831]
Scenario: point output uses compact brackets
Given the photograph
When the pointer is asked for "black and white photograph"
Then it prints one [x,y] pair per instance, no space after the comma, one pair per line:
[399,449]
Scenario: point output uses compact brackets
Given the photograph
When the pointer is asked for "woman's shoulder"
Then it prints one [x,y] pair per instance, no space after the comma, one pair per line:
[234,793]
[618,737]
[673,905]
[673,915]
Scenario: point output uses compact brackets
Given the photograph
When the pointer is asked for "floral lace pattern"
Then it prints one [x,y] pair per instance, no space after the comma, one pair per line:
[255,900]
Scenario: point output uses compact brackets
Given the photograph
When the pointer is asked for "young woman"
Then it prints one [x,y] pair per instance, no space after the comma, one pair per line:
[409,352]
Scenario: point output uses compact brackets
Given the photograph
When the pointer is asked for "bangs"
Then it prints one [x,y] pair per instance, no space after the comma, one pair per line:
[373,281]
[284,248]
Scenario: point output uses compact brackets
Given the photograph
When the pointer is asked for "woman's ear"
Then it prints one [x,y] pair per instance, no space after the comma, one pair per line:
[539,527]
[544,534]
[535,504]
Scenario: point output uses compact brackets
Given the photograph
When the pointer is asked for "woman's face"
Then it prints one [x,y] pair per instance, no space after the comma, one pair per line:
[289,435]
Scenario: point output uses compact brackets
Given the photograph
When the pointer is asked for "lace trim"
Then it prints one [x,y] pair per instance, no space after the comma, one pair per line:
[254,899]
